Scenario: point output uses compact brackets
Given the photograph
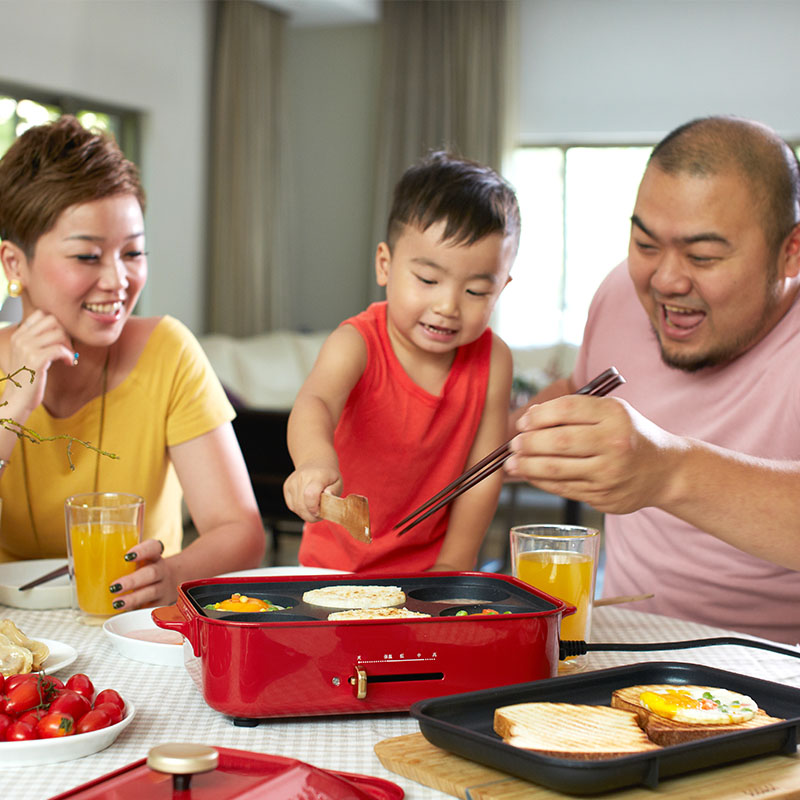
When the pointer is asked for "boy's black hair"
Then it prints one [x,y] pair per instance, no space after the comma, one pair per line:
[473,199]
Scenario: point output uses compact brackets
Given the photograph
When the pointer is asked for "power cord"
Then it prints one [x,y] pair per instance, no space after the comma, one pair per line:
[569,648]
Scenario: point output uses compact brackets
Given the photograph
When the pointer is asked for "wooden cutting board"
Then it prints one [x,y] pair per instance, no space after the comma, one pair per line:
[412,756]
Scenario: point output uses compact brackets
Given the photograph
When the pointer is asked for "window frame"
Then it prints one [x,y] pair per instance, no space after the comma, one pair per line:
[129,135]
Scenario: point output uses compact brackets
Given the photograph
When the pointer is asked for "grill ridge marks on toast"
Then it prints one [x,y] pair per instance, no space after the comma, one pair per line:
[667,732]
[565,730]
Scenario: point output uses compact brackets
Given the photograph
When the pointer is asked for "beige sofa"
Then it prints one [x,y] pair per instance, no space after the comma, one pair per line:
[266,371]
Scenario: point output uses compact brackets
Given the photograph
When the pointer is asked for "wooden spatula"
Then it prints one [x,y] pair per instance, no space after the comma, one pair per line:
[352,512]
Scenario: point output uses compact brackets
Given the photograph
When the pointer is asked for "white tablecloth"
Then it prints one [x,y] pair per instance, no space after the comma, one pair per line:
[169,708]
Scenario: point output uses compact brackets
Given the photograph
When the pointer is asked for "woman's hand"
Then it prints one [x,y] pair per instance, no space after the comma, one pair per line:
[153,582]
[35,343]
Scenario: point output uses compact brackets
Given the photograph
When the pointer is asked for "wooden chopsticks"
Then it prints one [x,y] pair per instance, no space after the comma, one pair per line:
[601,385]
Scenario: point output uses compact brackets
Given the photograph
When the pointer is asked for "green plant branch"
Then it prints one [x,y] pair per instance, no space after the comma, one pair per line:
[23,432]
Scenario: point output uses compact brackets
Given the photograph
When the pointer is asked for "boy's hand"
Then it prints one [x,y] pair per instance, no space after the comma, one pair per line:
[302,489]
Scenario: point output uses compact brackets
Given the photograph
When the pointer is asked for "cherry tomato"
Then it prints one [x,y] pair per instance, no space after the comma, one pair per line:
[55,724]
[14,680]
[72,703]
[96,719]
[113,711]
[2,682]
[22,697]
[33,715]
[5,721]
[110,696]
[19,731]
[81,684]
[48,682]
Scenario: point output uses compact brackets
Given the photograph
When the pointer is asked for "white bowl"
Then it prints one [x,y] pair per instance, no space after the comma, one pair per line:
[119,628]
[63,748]
[53,594]
[271,572]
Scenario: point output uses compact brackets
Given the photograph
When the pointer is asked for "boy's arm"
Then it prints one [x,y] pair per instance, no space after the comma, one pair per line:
[314,417]
[472,512]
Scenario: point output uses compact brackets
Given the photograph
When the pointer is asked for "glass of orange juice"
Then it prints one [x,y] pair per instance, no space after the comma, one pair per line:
[101,528]
[562,561]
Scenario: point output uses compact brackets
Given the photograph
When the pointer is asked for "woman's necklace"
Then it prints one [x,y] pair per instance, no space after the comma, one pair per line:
[25,479]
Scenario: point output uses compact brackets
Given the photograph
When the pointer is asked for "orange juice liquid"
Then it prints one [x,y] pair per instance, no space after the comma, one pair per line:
[97,550]
[565,575]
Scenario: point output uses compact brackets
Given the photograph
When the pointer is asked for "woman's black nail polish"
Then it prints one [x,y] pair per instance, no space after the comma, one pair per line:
[115,587]
[118,604]
[130,556]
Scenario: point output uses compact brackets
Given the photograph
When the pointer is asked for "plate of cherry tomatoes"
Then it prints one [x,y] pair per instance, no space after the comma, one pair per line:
[44,719]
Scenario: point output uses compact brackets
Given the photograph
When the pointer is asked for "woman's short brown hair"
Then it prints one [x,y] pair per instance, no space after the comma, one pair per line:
[53,167]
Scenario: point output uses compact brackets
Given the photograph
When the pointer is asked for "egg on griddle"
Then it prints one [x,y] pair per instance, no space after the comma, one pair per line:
[701,705]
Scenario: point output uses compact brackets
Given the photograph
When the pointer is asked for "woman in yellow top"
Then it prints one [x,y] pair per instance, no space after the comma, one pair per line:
[72,247]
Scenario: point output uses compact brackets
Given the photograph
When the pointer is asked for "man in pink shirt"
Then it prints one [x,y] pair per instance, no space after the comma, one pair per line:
[696,460]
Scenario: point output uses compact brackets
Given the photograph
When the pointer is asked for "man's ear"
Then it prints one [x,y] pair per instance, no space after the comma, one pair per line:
[791,253]
[383,260]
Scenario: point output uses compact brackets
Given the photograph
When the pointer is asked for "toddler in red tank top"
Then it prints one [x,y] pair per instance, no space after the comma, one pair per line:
[411,392]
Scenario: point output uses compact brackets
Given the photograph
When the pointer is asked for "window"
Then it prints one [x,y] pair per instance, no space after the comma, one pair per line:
[21,109]
[576,204]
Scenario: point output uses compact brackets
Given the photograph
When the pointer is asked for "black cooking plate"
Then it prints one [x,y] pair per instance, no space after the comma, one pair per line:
[439,596]
[462,724]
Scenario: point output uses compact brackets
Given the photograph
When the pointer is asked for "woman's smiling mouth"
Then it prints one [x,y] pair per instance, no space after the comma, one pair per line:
[104,308]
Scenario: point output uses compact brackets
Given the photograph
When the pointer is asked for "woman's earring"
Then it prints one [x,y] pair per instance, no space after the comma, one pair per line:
[14,288]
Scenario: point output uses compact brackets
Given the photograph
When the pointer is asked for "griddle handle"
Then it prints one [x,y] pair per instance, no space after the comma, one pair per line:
[171,619]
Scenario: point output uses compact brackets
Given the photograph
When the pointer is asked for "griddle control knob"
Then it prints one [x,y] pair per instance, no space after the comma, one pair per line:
[359,681]
[182,761]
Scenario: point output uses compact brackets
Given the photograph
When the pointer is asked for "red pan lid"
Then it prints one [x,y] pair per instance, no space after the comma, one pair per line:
[219,773]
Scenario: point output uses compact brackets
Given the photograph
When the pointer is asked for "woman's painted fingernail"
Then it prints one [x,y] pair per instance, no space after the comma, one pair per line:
[130,556]
[118,604]
[115,587]
[162,546]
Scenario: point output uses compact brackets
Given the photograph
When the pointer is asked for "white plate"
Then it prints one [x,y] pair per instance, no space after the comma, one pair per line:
[61,655]
[64,748]
[269,572]
[118,626]
[53,594]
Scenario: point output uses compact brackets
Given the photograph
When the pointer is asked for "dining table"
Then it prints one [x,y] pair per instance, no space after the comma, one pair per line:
[170,708]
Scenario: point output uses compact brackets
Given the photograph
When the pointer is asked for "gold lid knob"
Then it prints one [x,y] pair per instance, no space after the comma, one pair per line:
[178,758]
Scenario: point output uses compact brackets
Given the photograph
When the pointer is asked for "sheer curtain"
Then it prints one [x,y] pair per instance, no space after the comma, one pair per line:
[246,289]
[446,82]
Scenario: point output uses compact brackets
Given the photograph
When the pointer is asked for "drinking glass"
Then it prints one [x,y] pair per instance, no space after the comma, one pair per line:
[101,528]
[562,561]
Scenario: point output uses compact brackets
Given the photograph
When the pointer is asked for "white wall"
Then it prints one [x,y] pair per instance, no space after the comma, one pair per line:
[333,83]
[592,69]
[152,56]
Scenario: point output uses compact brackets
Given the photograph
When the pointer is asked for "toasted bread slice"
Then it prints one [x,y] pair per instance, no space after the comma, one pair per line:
[566,730]
[667,732]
